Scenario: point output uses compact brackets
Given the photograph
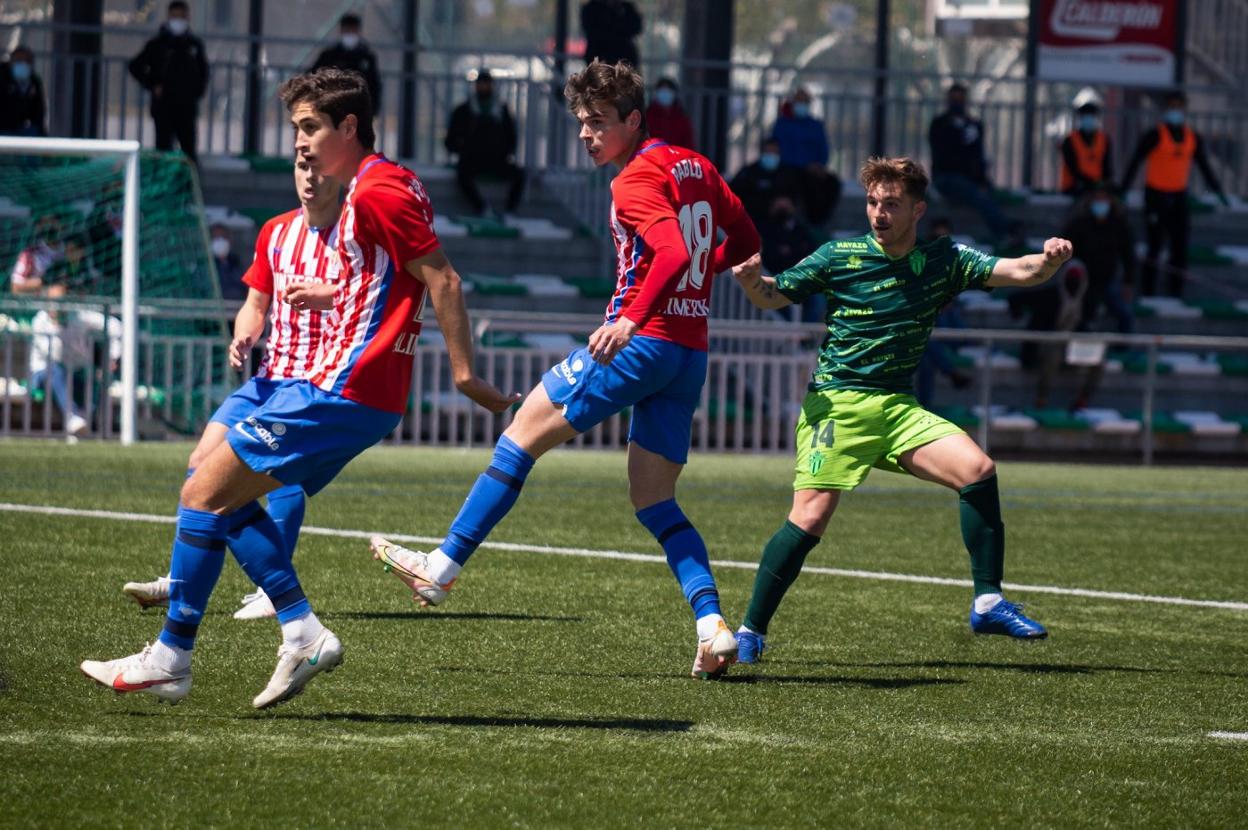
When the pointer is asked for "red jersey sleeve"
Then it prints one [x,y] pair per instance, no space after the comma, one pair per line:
[260,273]
[398,218]
[642,199]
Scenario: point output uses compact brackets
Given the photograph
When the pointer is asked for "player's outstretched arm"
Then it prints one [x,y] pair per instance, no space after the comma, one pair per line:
[760,289]
[1032,269]
[248,325]
[443,284]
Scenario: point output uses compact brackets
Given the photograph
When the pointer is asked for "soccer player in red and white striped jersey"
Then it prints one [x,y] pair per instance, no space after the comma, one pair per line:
[291,281]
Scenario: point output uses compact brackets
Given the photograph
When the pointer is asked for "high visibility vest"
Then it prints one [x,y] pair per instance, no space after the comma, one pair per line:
[1090,158]
[1170,162]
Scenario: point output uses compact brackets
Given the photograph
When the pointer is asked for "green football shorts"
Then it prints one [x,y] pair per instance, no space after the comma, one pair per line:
[843,433]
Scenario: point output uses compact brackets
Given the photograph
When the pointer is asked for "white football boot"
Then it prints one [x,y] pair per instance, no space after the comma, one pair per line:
[410,566]
[138,673]
[296,666]
[256,606]
[715,654]
[154,594]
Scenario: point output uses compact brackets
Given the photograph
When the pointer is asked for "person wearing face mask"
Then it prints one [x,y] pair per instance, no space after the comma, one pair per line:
[173,68]
[804,145]
[482,134]
[667,118]
[1167,151]
[22,104]
[352,52]
[229,268]
[959,163]
[1086,152]
[1102,240]
[760,183]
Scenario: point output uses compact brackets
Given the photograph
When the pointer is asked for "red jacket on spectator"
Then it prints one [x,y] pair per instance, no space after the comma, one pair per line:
[670,124]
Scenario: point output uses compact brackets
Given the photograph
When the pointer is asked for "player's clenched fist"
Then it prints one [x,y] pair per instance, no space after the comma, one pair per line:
[1057,251]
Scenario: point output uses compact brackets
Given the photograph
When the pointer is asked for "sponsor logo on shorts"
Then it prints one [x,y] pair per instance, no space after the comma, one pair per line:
[570,372]
[260,433]
[816,463]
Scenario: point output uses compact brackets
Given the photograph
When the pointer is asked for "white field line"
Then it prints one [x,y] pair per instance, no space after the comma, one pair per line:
[1229,736]
[593,553]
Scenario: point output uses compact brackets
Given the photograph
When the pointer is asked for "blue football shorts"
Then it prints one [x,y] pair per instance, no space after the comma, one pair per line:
[304,435]
[244,399]
[660,380]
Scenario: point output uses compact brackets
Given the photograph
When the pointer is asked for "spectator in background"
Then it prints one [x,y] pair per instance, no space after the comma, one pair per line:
[786,241]
[23,108]
[482,134]
[229,268]
[1086,152]
[959,163]
[173,68]
[1168,150]
[64,341]
[1102,239]
[353,53]
[77,270]
[803,145]
[1055,306]
[666,118]
[758,184]
[609,27]
[46,250]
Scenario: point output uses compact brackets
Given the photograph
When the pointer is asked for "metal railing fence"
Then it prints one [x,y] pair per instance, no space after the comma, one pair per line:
[843,98]
[756,379]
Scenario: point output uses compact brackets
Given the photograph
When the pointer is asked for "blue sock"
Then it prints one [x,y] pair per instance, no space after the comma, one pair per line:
[258,546]
[686,554]
[194,567]
[489,500]
[286,507]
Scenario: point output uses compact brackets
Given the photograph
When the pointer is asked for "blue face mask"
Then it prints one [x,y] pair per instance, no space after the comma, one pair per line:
[20,70]
[769,161]
[1175,118]
[665,97]
[801,109]
[1089,123]
[1099,209]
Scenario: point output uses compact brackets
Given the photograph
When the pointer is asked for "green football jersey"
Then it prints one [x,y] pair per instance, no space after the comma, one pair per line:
[881,310]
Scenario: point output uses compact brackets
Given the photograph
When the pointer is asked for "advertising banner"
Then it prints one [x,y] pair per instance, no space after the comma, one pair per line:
[1127,42]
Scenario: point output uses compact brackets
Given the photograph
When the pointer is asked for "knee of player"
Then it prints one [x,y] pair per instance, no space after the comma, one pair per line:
[983,468]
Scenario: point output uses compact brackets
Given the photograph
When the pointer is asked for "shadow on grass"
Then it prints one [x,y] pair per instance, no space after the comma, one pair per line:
[865,682]
[1022,668]
[610,724]
[443,615]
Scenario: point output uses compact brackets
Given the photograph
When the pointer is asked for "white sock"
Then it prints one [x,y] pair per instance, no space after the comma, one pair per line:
[708,625]
[744,630]
[169,658]
[442,569]
[302,631]
[985,602]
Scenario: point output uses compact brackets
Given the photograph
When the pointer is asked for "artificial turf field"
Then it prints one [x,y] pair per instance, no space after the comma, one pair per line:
[552,690]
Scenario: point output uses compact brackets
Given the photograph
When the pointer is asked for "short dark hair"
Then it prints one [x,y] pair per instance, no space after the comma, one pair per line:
[666,83]
[908,172]
[956,87]
[179,5]
[607,84]
[337,93]
[21,49]
[1175,96]
[350,19]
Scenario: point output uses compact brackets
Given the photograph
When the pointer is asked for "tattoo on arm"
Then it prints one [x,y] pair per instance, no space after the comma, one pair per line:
[764,289]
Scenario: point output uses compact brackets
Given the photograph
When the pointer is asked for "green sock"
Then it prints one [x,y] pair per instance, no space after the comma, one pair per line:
[781,563]
[984,533]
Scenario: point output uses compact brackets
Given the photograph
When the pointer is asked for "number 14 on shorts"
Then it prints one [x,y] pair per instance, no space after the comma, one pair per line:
[824,434]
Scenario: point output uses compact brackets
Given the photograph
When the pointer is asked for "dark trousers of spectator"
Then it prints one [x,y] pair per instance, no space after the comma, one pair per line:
[820,194]
[179,124]
[960,190]
[1110,295]
[467,171]
[1168,223]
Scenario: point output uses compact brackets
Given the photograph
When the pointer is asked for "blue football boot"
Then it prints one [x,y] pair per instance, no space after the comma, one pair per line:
[749,647]
[1007,618]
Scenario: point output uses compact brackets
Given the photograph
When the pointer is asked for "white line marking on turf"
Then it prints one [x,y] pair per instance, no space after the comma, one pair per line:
[594,553]
[1230,736]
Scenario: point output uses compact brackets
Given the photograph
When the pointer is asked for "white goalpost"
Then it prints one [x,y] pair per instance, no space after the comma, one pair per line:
[128,152]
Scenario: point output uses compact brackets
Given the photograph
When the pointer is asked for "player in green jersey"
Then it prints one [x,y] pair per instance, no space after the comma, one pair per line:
[884,291]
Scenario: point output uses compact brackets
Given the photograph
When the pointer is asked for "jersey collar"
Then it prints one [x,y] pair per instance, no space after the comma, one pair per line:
[369,161]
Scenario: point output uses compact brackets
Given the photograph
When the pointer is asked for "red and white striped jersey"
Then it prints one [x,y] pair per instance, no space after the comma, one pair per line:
[288,252]
[369,342]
